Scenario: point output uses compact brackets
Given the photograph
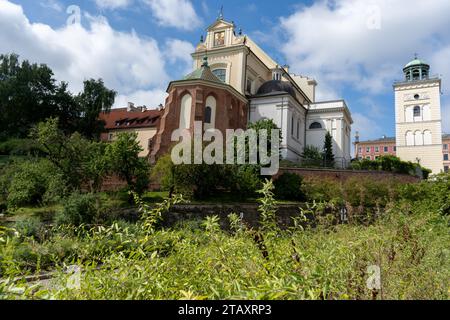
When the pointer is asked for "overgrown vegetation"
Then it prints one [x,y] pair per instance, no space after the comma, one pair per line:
[392,164]
[319,257]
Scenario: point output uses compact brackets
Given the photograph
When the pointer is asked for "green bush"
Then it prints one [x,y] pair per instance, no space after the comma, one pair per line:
[30,227]
[288,187]
[20,147]
[78,209]
[205,181]
[32,182]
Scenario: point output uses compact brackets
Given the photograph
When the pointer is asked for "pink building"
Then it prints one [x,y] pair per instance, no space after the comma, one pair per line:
[372,149]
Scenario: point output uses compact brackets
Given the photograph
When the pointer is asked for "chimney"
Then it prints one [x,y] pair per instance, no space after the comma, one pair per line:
[357,137]
[130,106]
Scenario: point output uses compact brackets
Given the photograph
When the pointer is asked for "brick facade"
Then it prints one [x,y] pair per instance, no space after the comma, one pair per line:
[231,111]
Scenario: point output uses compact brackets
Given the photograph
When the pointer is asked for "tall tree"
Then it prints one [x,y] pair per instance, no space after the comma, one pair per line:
[29,94]
[94,99]
[26,92]
[328,155]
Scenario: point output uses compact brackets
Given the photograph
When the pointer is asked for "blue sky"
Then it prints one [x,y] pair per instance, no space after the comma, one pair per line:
[354,48]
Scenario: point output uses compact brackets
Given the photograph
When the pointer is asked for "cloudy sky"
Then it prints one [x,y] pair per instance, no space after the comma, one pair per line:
[355,49]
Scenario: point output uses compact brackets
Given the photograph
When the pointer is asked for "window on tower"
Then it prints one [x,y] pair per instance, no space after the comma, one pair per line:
[417,111]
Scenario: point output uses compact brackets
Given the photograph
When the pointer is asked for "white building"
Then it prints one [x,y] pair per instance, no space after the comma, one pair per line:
[418,117]
[275,93]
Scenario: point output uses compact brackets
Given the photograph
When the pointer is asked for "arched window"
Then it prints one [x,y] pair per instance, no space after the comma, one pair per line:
[185,111]
[208,114]
[315,125]
[427,138]
[417,111]
[221,74]
[409,138]
[418,138]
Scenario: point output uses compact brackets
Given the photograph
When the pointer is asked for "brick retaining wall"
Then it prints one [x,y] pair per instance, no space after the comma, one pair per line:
[343,175]
[113,183]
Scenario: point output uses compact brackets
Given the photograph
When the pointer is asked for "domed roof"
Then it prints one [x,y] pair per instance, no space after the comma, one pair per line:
[276,86]
[416,62]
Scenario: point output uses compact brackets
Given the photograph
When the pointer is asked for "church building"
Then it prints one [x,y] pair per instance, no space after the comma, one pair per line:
[235,83]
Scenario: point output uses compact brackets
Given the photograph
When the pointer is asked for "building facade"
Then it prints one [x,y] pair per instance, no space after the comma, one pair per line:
[139,120]
[418,117]
[373,149]
[235,83]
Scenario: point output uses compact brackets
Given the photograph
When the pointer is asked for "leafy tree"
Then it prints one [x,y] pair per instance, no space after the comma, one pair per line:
[25,95]
[123,156]
[94,99]
[29,94]
[311,157]
[328,155]
[83,162]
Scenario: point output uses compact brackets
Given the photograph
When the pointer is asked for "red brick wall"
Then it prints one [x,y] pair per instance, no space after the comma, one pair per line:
[342,175]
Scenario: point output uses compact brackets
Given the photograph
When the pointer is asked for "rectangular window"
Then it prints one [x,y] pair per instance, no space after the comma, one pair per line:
[249,86]
[377,149]
[368,150]
[445,146]
[292,126]
[298,129]
[395,149]
[445,169]
[219,38]
[446,157]
[111,136]
[368,158]
[359,150]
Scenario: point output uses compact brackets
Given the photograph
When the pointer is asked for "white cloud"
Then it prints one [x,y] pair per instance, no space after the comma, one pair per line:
[366,127]
[149,98]
[113,4]
[132,65]
[175,13]
[52,4]
[365,43]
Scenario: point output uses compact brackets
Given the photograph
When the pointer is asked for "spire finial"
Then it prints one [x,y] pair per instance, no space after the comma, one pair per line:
[415,55]
[220,13]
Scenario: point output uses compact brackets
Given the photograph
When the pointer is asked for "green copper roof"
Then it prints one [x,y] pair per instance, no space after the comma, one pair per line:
[416,62]
[203,73]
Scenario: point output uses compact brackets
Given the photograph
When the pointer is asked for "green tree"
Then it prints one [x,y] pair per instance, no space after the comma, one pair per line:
[94,99]
[311,157]
[82,161]
[26,95]
[328,155]
[30,94]
[123,156]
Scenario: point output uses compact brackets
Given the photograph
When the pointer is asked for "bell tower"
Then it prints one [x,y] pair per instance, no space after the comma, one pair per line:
[418,116]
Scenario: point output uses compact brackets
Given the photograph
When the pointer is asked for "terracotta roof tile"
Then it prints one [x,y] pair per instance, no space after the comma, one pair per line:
[122,119]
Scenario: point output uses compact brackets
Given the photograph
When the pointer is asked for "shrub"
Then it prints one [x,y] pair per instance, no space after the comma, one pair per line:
[20,147]
[288,187]
[78,209]
[33,182]
[30,227]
